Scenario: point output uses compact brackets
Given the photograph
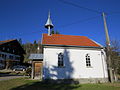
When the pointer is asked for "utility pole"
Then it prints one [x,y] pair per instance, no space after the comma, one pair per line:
[110,74]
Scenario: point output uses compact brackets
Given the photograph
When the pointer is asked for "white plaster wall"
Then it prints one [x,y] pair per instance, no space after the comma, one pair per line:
[74,64]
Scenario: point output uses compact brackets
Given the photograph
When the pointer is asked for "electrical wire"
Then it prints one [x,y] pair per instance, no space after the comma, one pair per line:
[79,21]
[61,26]
[76,5]
[92,10]
[112,13]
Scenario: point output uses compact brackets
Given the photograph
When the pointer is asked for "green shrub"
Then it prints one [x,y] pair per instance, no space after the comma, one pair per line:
[28,72]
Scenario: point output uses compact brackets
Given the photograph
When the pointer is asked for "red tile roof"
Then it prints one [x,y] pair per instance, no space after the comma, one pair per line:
[68,40]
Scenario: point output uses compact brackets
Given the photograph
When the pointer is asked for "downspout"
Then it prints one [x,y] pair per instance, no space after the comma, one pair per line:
[103,64]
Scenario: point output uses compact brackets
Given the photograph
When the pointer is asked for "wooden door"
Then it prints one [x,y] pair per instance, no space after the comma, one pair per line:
[38,70]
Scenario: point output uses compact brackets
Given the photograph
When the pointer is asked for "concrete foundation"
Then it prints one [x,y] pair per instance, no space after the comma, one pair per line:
[78,81]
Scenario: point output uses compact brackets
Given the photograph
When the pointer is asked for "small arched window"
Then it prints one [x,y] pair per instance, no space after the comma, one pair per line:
[88,62]
[60,60]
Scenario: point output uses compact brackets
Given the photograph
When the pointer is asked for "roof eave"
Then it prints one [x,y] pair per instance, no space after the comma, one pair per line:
[73,46]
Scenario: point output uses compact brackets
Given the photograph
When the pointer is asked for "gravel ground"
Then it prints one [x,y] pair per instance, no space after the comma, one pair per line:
[10,77]
[6,76]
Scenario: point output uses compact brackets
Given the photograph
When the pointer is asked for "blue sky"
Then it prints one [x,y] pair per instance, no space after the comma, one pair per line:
[26,18]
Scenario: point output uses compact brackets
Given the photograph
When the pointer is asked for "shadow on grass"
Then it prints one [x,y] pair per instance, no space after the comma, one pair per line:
[47,86]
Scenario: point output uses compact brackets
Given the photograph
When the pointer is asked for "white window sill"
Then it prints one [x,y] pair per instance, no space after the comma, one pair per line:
[89,67]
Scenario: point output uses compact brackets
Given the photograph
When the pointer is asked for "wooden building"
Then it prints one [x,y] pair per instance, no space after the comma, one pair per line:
[11,53]
[37,66]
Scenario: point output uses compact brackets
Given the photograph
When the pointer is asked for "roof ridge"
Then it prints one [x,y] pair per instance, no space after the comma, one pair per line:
[67,35]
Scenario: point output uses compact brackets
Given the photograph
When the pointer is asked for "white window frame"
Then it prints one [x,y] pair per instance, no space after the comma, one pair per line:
[88,60]
[60,60]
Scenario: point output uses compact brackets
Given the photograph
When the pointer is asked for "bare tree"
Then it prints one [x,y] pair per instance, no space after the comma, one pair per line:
[115,57]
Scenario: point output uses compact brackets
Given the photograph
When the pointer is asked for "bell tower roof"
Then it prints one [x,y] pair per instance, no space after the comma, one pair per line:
[49,22]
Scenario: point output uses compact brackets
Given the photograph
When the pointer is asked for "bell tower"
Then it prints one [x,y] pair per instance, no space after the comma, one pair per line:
[49,24]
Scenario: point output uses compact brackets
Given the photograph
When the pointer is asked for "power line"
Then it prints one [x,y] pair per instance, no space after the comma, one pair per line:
[112,13]
[92,10]
[61,26]
[22,34]
[79,21]
[76,5]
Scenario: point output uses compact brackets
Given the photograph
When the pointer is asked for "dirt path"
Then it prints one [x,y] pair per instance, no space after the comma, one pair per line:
[8,77]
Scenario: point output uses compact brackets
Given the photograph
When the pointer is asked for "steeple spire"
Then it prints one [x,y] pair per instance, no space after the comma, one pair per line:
[49,24]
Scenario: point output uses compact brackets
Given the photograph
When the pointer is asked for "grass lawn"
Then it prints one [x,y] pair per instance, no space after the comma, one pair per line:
[25,84]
